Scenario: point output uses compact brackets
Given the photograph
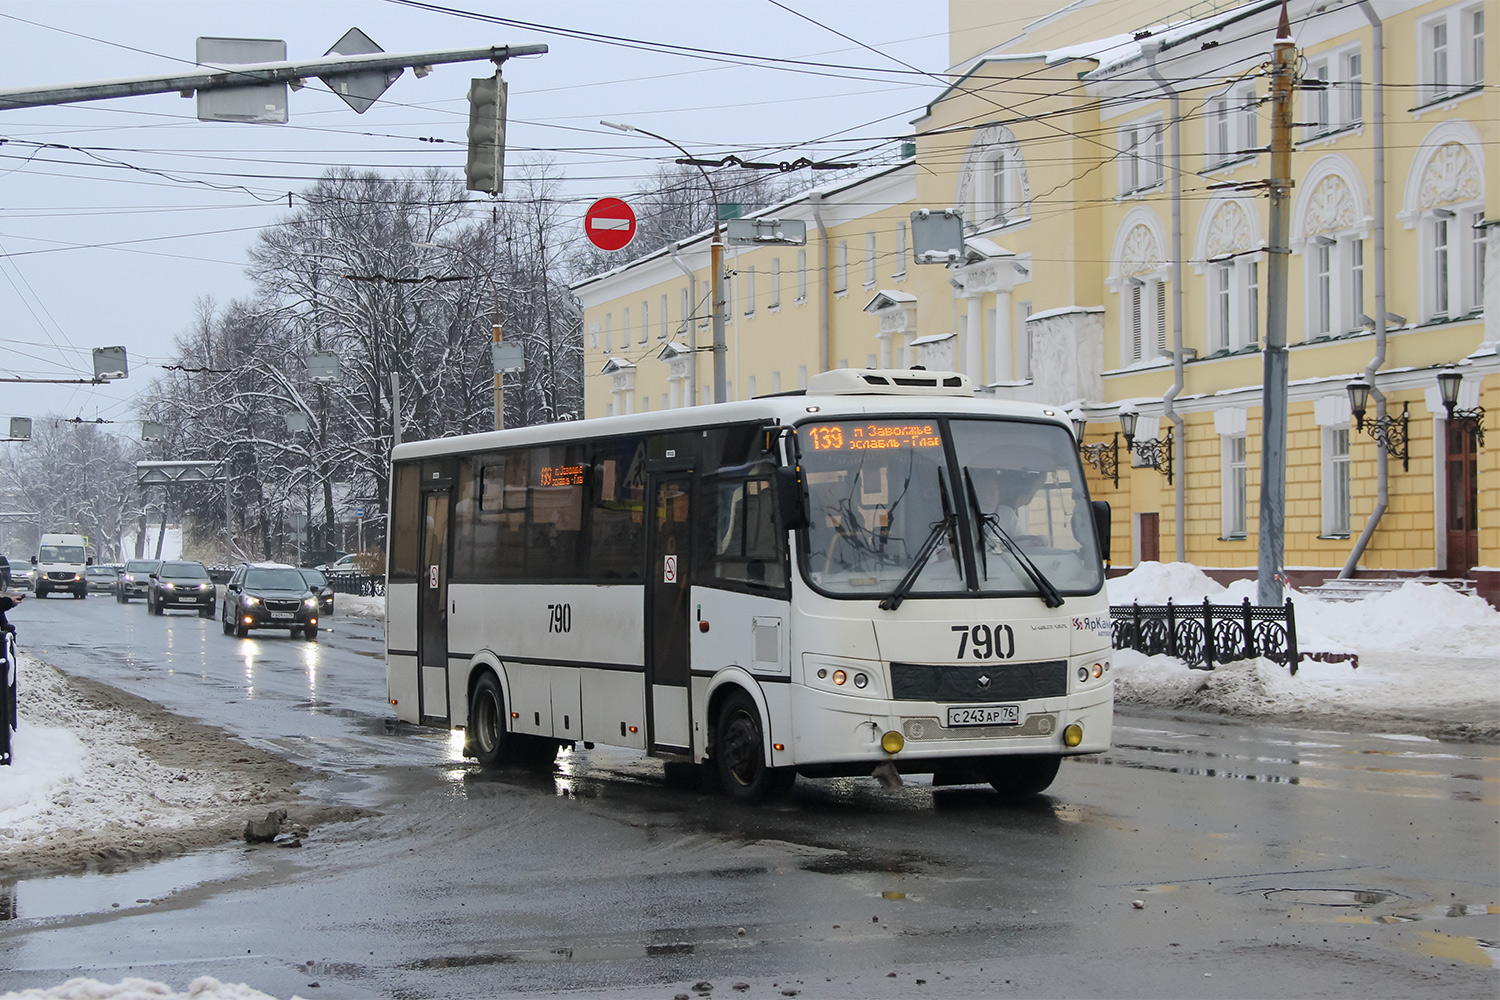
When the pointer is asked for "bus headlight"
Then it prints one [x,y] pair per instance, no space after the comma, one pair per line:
[839,677]
[1073,735]
[892,742]
[860,680]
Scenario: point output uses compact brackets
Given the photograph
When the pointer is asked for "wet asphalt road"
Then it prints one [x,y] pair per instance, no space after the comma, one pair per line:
[1267,861]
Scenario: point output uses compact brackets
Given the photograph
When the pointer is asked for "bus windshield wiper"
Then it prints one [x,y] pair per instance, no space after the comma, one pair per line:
[940,530]
[1048,593]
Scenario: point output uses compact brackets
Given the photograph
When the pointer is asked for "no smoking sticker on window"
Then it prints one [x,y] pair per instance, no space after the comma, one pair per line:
[669,569]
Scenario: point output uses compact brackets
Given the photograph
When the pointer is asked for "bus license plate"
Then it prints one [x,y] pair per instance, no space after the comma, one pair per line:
[984,715]
[283,615]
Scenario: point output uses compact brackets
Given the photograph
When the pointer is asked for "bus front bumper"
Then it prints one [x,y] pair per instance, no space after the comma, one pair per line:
[849,736]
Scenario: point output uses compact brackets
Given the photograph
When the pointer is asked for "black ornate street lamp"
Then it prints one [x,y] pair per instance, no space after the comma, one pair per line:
[1388,431]
[1153,453]
[1469,421]
[1104,457]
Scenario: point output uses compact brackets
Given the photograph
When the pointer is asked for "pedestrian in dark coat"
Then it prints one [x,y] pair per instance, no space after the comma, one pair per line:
[7,602]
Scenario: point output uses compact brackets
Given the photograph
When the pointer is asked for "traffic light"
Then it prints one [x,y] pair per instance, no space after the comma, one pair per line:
[485,169]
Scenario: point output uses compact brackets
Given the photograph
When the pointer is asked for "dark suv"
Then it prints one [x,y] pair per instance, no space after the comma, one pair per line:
[135,579]
[181,585]
[269,595]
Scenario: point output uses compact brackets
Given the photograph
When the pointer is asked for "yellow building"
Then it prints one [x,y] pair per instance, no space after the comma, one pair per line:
[1110,173]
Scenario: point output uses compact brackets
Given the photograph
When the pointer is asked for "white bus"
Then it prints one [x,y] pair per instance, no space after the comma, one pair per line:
[879,572]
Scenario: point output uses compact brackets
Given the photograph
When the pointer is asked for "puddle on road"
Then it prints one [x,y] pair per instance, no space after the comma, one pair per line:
[1328,897]
[103,892]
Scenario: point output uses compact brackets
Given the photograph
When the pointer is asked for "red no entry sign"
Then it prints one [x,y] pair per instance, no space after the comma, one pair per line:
[609,224]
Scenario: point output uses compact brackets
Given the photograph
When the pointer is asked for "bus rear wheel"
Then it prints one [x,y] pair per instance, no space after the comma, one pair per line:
[740,754]
[1017,777]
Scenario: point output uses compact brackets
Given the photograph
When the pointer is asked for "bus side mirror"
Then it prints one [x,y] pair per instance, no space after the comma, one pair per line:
[33,560]
[789,499]
[1101,527]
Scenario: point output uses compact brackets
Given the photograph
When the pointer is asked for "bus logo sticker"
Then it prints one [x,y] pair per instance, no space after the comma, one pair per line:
[432,577]
[669,569]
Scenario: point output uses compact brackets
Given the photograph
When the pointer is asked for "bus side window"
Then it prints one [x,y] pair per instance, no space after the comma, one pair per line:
[617,536]
[406,520]
[746,545]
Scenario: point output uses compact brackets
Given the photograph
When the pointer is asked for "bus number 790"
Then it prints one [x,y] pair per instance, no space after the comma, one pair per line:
[998,643]
[559,618]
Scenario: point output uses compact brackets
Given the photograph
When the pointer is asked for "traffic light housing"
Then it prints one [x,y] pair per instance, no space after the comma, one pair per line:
[485,168]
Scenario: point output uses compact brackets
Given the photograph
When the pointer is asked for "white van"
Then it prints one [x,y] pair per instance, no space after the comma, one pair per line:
[60,563]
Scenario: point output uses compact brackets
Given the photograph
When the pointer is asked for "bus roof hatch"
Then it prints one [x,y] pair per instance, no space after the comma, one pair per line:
[889,382]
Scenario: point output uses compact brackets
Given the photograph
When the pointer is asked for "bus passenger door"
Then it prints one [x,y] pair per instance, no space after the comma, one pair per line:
[667,619]
[432,608]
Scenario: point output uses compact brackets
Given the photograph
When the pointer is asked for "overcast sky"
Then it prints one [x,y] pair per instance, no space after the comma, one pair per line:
[113,240]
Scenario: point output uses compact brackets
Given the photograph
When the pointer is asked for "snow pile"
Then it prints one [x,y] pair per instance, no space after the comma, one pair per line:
[202,988]
[355,606]
[97,774]
[1429,659]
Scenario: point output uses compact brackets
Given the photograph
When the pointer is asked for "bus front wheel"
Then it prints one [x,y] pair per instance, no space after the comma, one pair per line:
[740,754]
[1016,777]
[487,737]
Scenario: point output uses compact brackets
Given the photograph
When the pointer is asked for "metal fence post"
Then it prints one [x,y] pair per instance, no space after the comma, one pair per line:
[1208,635]
[1292,656]
[1249,632]
[1171,629]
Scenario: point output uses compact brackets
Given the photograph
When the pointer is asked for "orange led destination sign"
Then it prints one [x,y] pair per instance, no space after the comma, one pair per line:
[872,436]
[561,475]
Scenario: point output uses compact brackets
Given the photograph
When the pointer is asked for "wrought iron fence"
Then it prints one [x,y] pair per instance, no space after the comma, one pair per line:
[1208,634]
[359,584]
[9,669]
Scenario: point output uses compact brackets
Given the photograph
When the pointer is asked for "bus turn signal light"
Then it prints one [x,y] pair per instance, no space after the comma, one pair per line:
[1073,735]
[892,742]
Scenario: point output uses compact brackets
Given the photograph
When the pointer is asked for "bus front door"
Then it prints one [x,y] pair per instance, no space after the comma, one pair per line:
[432,609]
[667,619]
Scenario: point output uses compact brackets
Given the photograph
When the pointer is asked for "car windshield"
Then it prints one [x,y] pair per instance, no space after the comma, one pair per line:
[184,571]
[100,571]
[274,579]
[880,490]
[60,554]
[315,578]
[140,566]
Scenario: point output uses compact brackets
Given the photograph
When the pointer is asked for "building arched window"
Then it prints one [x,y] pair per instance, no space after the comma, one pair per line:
[1139,276]
[1444,201]
[1229,257]
[1331,226]
[993,187]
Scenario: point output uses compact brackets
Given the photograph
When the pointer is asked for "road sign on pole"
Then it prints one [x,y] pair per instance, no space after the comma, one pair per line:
[609,224]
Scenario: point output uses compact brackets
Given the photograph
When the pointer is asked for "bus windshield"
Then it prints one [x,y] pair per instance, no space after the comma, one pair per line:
[60,554]
[879,489]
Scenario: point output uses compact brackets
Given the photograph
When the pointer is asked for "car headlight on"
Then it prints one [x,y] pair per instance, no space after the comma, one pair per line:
[170,586]
[128,578]
[309,602]
[251,600]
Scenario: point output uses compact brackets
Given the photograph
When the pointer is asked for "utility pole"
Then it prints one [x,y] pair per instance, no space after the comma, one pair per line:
[1274,388]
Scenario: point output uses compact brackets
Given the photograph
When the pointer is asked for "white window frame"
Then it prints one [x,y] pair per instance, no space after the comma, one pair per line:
[775,283]
[901,248]
[625,329]
[661,333]
[1143,319]
[1142,157]
[1450,53]
[750,291]
[841,269]
[801,277]
[645,322]
[1335,475]
[1235,493]
[1451,279]
[997,200]
[1232,288]
[609,335]
[1340,291]
[870,262]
